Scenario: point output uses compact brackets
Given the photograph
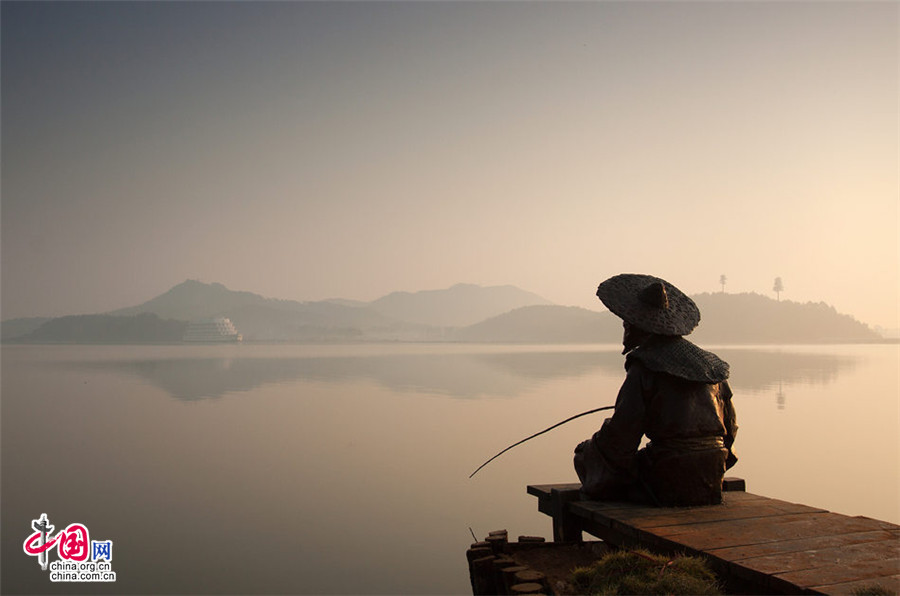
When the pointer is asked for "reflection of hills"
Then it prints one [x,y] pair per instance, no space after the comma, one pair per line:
[761,370]
[457,375]
[467,375]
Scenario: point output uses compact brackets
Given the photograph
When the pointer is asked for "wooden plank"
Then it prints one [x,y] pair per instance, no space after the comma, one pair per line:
[740,526]
[545,494]
[631,520]
[759,510]
[866,571]
[788,507]
[845,555]
[619,510]
[738,497]
[749,531]
[732,507]
[543,490]
[642,518]
[733,484]
[599,509]
[879,523]
[738,553]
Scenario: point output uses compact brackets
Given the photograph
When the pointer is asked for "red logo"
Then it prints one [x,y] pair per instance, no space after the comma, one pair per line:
[72,544]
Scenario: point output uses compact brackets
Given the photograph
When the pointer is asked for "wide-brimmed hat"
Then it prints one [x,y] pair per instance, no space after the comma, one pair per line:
[650,303]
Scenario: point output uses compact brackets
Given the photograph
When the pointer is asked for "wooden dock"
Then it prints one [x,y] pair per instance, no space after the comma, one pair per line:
[756,544]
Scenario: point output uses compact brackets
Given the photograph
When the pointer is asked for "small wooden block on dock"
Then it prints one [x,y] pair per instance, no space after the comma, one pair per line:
[762,544]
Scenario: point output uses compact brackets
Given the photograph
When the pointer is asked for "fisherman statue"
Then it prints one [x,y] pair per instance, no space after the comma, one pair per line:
[674,393]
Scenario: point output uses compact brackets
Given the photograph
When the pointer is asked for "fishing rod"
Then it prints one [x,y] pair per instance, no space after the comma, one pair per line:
[540,433]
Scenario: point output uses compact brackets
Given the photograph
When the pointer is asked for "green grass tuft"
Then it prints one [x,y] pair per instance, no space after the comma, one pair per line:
[640,572]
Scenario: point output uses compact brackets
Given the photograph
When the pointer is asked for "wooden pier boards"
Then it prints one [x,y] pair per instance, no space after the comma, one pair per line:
[756,543]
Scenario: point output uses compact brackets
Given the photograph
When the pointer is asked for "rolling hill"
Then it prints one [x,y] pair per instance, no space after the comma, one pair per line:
[139,328]
[754,318]
[457,306]
[193,299]
[545,324]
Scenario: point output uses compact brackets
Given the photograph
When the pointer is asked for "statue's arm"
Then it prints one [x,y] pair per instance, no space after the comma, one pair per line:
[620,435]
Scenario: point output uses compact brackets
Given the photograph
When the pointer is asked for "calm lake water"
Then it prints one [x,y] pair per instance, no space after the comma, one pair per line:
[344,469]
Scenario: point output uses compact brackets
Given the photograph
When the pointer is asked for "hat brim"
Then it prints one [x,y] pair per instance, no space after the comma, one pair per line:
[621,295]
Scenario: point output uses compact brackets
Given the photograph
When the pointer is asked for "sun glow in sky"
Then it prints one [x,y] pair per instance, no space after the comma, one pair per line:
[349,149]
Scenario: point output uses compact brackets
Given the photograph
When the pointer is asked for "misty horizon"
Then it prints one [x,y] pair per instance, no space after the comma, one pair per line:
[599,307]
[460,313]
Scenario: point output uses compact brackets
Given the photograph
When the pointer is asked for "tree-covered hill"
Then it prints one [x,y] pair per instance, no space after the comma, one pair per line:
[725,318]
[754,318]
[142,328]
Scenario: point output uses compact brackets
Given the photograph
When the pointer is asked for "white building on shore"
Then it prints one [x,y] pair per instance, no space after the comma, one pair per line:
[215,330]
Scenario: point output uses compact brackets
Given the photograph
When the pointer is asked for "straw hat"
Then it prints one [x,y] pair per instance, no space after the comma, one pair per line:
[650,303]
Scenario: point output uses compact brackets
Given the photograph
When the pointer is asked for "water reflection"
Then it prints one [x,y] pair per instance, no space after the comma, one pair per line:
[770,371]
[454,375]
[458,375]
[342,443]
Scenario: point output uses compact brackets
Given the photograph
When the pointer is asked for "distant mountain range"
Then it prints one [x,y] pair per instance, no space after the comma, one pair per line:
[458,306]
[546,323]
[400,316]
[463,312]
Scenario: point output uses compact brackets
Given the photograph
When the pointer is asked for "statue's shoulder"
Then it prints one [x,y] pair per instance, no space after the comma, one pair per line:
[681,358]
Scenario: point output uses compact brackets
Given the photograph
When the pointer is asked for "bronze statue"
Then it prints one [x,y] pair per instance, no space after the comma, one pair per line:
[674,393]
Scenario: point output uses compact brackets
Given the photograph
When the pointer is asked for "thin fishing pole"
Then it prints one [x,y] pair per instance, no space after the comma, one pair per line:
[540,433]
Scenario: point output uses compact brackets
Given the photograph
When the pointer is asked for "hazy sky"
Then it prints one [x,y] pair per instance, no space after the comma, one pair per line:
[340,149]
